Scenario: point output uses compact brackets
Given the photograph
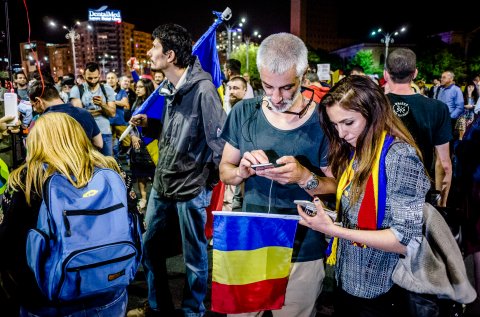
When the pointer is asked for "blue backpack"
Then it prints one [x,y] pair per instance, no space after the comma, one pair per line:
[86,241]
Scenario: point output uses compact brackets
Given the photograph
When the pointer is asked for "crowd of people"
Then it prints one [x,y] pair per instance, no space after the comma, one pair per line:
[377,152]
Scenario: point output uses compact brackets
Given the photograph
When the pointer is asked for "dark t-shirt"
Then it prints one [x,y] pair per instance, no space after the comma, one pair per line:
[247,129]
[83,117]
[428,120]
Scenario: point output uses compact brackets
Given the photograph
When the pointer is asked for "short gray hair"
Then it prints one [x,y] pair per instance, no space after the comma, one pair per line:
[280,52]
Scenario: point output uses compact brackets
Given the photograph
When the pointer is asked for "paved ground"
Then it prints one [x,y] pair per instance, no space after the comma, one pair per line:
[138,289]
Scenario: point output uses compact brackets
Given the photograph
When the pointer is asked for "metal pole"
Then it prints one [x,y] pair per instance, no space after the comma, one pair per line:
[74,57]
[229,46]
[72,36]
[247,44]
[387,41]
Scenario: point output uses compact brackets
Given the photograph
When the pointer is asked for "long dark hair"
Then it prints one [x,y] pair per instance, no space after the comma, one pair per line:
[149,89]
[360,94]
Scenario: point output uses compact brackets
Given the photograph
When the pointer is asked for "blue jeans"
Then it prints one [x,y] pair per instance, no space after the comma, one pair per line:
[116,307]
[192,218]
[107,148]
[115,148]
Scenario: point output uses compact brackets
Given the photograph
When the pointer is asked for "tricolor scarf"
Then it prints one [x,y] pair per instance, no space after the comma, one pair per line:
[372,208]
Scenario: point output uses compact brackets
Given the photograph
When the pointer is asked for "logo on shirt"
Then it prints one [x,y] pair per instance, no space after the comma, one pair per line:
[401,109]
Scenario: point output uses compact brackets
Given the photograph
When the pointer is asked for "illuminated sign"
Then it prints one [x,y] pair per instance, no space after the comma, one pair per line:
[104,15]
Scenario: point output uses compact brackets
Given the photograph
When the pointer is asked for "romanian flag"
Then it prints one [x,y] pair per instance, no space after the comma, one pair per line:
[251,260]
[372,208]
[206,50]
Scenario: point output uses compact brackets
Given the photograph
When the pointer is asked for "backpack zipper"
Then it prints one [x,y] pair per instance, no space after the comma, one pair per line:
[91,266]
[88,212]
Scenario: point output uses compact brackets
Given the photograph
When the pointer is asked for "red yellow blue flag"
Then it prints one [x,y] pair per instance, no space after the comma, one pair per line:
[251,260]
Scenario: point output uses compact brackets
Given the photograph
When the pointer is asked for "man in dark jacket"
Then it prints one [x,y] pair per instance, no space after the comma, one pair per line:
[190,152]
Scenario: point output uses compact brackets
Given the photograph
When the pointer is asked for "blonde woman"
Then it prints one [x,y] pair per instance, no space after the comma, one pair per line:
[57,143]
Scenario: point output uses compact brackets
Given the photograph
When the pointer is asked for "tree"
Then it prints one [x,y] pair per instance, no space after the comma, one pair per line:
[434,57]
[240,54]
[364,58]
[475,66]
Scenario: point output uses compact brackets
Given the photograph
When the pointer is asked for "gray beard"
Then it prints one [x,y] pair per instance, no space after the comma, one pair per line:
[286,104]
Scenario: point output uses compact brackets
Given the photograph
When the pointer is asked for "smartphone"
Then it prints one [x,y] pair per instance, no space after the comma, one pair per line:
[263,166]
[311,209]
[11,107]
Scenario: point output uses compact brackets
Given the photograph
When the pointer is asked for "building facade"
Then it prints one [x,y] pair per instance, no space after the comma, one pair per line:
[110,44]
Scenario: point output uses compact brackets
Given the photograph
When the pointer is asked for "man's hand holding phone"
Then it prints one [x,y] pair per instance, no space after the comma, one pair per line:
[97,101]
[264,166]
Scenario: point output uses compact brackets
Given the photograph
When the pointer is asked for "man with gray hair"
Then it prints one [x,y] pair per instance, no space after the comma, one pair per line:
[281,128]
[428,120]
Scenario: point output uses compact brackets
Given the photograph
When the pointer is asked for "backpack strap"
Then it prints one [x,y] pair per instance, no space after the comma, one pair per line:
[102,86]
[81,90]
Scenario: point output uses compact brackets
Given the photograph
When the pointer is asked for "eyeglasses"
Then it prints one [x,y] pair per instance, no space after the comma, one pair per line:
[302,113]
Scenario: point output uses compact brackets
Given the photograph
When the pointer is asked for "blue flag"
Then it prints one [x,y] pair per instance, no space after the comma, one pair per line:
[206,50]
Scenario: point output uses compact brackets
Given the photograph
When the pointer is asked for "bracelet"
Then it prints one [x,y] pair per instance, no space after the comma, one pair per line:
[312,183]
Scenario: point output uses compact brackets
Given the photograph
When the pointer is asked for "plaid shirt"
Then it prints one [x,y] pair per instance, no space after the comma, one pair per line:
[367,272]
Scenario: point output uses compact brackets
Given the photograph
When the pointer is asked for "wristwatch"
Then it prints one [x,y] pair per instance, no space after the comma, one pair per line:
[312,183]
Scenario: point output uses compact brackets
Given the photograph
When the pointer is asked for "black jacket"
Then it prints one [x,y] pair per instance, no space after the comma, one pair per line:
[190,146]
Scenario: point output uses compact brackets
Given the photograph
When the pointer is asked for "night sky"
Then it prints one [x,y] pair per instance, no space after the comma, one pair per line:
[356,19]
[146,15]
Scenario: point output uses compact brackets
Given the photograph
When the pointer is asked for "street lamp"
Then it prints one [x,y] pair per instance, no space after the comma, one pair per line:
[387,38]
[71,35]
[231,29]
